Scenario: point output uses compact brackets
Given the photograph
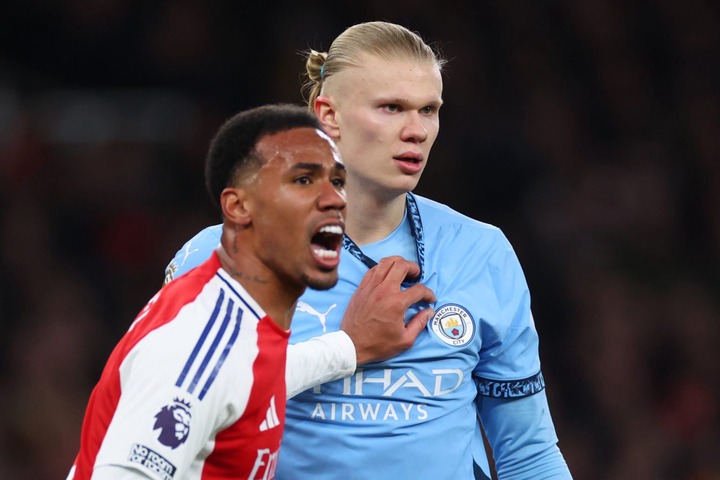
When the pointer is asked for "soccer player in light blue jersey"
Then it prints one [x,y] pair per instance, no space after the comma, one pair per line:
[418,415]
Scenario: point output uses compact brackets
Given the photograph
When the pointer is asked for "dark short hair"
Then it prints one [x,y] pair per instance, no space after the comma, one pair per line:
[234,145]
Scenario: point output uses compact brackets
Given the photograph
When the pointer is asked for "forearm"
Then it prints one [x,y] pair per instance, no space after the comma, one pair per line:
[523,438]
[319,360]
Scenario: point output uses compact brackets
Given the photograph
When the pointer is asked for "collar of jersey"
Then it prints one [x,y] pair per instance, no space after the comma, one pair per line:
[416,228]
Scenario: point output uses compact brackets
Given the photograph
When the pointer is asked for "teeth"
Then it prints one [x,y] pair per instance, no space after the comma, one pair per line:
[325,253]
[336,229]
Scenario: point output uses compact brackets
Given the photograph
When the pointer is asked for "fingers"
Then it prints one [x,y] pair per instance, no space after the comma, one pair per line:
[375,316]
[400,269]
[392,269]
[377,274]
[417,293]
[390,272]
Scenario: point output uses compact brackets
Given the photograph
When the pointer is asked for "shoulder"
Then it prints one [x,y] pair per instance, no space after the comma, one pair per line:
[465,246]
[208,235]
[440,214]
[194,252]
[440,220]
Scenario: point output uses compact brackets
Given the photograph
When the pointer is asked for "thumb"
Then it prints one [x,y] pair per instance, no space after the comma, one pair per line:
[418,322]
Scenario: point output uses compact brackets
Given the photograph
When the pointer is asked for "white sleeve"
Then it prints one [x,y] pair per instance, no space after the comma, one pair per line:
[319,360]
[113,472]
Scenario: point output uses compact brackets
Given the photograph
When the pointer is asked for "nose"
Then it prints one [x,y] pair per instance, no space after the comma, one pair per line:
[331,197]
[414,129]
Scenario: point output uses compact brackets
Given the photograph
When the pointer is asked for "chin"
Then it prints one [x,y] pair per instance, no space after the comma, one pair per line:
[325,283]
[407,184]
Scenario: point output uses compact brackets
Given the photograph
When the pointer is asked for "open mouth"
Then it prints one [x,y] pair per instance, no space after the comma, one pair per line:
[408,159]
[327,241]
[410,164]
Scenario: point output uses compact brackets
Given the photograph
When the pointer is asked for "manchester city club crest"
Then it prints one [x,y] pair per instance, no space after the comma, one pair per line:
[453,325]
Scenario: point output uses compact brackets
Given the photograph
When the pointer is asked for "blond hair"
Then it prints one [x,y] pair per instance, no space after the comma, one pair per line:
[385,40]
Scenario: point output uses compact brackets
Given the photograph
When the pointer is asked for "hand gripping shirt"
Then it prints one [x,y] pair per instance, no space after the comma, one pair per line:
[194,390]
[416,415]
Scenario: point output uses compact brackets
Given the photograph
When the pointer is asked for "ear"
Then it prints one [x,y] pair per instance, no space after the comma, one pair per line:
[235,203]
[325,111]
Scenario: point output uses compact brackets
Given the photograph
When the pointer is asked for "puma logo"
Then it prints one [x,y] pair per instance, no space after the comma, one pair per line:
[188,252]
[304,307]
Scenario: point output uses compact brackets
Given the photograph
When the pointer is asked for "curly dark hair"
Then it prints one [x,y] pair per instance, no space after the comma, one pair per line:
[233,149]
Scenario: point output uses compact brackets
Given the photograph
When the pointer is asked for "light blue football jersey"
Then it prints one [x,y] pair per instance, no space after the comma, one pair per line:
[416,415]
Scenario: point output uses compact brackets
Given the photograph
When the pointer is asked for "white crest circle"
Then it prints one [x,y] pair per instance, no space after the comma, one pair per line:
[453,324]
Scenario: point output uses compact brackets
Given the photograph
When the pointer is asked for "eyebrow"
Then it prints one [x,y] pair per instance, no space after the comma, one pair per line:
[403,100]
[316,166]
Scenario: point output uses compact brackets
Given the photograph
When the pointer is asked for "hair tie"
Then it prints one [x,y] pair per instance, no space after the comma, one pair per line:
[322,71]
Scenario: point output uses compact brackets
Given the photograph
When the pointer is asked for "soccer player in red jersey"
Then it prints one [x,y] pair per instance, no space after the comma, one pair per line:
[196,387]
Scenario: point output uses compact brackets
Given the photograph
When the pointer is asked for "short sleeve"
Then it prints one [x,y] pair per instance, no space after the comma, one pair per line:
[509,363]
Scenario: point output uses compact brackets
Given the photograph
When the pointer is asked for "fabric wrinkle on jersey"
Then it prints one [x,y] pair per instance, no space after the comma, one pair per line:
[416,413]
[221,411]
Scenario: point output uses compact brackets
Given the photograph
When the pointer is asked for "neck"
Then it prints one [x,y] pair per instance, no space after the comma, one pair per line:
[277,298]
[370,220]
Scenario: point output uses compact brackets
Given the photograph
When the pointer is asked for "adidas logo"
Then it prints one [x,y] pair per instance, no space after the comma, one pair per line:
[271,418]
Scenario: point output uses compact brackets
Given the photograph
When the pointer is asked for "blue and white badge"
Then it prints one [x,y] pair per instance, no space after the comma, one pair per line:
[453,324]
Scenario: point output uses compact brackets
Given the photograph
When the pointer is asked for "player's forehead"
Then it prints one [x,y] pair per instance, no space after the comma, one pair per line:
[392,77]
[298,145]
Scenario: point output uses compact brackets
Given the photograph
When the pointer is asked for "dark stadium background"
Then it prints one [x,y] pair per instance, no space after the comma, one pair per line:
[589,131]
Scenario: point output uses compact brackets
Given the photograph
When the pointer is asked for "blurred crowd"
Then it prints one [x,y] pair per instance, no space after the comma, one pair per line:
[589,131]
